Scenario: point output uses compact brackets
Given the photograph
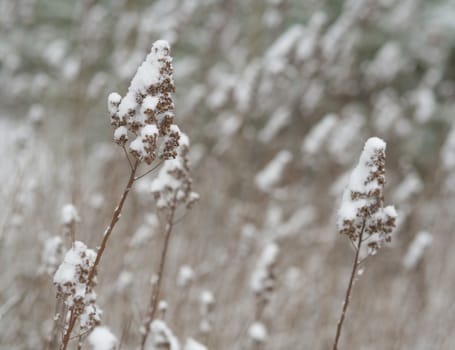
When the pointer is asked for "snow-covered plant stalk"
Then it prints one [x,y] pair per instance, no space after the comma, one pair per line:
[263,279]
[78,295]
[263,282]
[172,188]
[362,216]
[146,112]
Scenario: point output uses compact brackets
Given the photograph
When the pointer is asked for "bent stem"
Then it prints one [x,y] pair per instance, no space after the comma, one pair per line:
[114,220]
[347,298]
[157,286]
[106,235]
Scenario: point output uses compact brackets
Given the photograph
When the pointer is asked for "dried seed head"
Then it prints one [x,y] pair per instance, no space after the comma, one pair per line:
[363,201]
[173,184]
[71,281]
[147,110]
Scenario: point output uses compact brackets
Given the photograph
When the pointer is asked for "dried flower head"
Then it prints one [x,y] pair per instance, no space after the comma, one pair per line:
[362,207]
[173,185]
[71,280]
[147,110]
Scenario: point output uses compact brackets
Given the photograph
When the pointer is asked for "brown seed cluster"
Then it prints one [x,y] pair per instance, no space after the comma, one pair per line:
[363,208]
[173,185]
[71,281]
[147,110]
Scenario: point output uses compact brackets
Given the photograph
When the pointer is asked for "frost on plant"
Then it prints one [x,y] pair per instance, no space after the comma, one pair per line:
[362,207]
[146,112]
[362,215]
[71,280]
[173,184]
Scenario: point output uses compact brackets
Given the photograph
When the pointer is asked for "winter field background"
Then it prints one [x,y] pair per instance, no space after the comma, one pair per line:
[277,98]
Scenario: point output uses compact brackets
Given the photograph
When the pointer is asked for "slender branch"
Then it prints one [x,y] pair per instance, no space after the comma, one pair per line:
[106,235]
[79,343]
[82,334]
[60,313]
[157,286]
[114,220]
[148,171]
[67,336]
[183,216]
[365,238]
[349,289]
[353,245]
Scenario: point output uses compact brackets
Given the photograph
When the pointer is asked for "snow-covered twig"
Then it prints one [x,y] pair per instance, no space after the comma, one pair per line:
[362,216]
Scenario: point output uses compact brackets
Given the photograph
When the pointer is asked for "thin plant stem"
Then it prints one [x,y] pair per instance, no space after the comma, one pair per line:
[183,216]
[61,312]
[353,245]
[157,286]
[114,220]
[79,343]
[349,289]
[106,235]
[67,335]
[148,171]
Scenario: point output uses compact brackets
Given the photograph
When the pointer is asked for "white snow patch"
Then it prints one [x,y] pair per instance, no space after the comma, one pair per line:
[416,249]
[101,338]
[69,215]
[273,171]
[258,332]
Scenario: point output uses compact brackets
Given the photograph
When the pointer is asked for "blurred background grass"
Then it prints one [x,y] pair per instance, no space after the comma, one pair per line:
[253,78]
